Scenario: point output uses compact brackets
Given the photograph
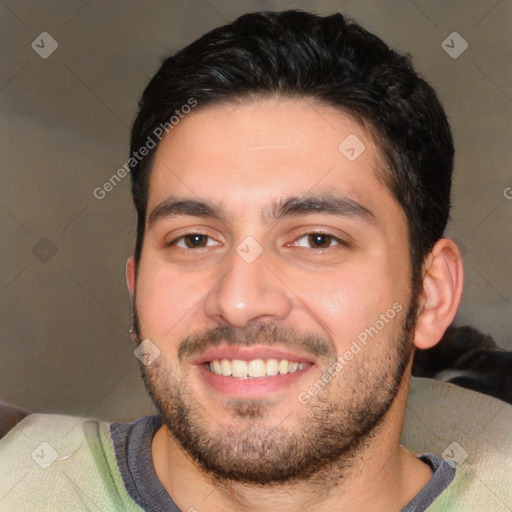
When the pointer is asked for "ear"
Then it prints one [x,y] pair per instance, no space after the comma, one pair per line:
[131,275]
[441,293]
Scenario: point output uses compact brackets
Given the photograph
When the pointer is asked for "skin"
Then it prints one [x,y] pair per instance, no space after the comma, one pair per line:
[244,157]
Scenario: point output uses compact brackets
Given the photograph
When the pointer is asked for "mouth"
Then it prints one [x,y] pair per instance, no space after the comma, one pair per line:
[251,372]
[254,369]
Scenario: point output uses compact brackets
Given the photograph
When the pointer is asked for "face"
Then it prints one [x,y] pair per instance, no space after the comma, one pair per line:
[274,280]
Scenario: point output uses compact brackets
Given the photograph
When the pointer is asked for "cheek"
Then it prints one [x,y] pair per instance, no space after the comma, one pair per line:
[167,299]
[348,301]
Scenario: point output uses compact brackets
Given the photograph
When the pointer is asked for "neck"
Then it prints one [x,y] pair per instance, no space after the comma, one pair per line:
[381,476]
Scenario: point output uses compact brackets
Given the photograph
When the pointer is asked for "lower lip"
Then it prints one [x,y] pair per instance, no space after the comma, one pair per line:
[251,388]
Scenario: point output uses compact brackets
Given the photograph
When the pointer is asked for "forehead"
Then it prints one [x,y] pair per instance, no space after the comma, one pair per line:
[244,155]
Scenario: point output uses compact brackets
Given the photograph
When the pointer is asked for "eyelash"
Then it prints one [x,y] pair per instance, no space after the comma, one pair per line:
[321,233]
[333,238]
[182,237]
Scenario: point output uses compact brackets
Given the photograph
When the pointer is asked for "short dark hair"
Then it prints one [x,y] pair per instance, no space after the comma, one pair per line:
[336,62]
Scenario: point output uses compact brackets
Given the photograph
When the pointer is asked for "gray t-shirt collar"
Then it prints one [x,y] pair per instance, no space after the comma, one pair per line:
[132,444]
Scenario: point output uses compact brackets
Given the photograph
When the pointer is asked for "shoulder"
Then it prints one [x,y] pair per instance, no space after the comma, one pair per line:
[56,462]
[470,429]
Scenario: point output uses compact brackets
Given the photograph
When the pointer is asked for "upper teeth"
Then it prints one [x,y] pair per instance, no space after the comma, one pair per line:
[254,368]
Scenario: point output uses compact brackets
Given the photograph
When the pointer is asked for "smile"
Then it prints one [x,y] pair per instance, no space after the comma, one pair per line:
[254,369]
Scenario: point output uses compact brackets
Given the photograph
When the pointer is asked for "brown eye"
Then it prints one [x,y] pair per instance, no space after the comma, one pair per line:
[319,240]
[195,240]
[192,241]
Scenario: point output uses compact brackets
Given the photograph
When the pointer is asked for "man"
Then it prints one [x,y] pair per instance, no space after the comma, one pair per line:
[291,176]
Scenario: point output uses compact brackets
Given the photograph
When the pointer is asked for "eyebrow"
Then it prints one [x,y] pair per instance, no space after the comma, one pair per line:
[174,207]
[293,206]
[326,203]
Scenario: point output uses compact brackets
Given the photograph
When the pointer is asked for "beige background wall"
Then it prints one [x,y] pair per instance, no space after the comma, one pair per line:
[64,132]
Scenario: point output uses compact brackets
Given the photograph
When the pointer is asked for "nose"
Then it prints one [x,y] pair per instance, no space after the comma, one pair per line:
[248,292]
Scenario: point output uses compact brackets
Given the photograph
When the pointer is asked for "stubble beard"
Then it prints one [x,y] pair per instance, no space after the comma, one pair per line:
[254,447]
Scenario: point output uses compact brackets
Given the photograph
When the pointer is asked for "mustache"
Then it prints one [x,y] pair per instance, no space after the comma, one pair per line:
[255,334]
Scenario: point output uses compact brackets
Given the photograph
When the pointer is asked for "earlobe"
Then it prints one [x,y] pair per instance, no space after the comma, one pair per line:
[130,275]
[441,293]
